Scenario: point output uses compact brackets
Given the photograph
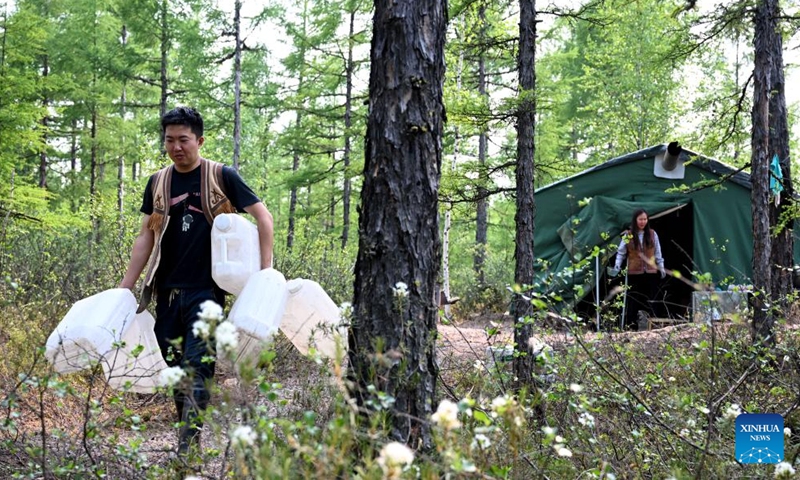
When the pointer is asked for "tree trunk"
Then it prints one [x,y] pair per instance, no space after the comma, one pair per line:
[237,84]
[121,164]
[44,126]
[526,205]
[330,224]
[123,99]
[298,121]
[348,124]
[292,201]
[4,41]
[95,176]
[393,337]
[164,53]
[782,254]
[73,147]
[765,24]
[481,216]
[448,213]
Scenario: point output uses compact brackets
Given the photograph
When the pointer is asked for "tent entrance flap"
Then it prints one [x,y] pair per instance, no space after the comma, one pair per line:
[600,222]
[595,228]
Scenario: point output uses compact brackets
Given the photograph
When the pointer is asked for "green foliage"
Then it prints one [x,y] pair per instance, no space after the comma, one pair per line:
[613,80]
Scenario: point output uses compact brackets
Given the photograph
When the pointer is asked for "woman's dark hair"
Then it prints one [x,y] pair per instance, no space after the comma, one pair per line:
[183,116]
[648,236]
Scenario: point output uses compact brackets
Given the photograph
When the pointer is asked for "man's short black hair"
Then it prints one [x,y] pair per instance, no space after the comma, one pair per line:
[183,116]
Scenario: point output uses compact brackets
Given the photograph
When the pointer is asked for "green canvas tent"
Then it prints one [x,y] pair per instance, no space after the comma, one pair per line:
[702,230]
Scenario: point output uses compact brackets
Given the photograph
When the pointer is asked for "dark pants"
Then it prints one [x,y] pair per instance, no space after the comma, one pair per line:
[176,312]
[642,290]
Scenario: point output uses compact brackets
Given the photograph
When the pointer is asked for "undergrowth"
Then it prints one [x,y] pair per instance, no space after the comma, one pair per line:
[622,405]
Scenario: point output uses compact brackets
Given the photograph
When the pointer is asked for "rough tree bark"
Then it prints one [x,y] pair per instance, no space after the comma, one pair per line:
[526,205]
[782,253]
[765,24]
[392,338]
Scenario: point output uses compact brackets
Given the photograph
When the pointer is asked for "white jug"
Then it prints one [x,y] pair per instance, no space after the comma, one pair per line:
[312,319]
[235,252]
[136,363]
[257,312]
[90,330]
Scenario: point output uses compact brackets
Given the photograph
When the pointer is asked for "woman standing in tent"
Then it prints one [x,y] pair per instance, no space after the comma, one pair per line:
[641,246]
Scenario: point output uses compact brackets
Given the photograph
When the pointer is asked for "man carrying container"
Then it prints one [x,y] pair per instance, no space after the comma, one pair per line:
[179,205]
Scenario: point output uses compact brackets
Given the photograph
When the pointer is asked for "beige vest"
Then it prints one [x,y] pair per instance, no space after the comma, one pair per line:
[213,201]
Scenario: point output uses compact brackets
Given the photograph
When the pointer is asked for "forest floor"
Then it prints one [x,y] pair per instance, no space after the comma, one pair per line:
[461,345]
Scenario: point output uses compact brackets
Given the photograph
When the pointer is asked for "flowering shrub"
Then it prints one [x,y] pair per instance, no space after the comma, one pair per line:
[612,409]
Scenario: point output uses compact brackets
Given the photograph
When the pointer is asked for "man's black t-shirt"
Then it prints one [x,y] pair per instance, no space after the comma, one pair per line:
[186,245]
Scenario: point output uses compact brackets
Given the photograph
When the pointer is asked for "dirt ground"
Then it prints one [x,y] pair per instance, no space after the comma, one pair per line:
[470,339]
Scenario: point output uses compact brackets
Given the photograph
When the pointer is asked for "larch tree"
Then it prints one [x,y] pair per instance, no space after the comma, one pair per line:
[781,212]
[526,204]
[765,36]
[481,210]
[237,82]
[393,332]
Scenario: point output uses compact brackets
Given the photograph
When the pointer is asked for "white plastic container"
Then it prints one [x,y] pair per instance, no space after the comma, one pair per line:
[90,330]
[136,362]
[235,252]
[312,319]
[257,312]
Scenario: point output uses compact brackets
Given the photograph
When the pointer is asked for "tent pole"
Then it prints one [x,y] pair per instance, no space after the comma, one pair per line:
[597,290]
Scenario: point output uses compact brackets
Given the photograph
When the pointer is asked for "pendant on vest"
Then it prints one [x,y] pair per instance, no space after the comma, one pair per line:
[187,222]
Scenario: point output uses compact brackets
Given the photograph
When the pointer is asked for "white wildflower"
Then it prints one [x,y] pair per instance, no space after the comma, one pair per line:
[563,451]
[346,310]
[586,419]
[201,329]
[227,337]
[192,477]
[671,379]
[499,404]
[210,311]
[684,432]
[393,458]
[171,376]
[400,290]
[733,411]
[703,410]
[784,470]
[575,388]
[787,432]
[559,439]
[481,441]
[611,476]
[243,436]
[549,431]
[446,415]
